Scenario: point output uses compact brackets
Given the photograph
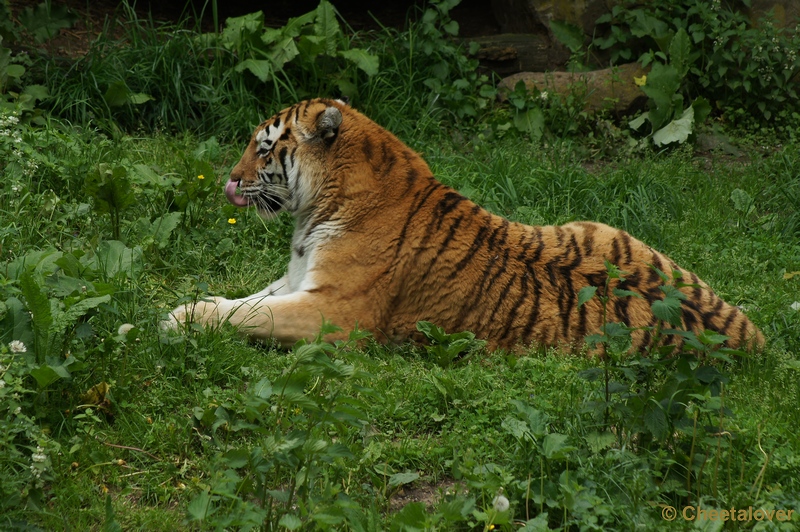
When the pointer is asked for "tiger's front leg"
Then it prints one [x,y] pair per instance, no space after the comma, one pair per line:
[286,318]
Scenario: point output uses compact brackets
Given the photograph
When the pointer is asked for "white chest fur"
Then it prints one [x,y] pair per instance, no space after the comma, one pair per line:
[307,253]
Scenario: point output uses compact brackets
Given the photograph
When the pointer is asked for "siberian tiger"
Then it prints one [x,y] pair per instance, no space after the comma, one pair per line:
[380,243]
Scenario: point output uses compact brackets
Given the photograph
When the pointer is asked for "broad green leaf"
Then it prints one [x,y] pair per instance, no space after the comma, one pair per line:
[708,374]
[676,131]
[362,59]
[554,446]
[37,92]
[672,291]
[655,419]
[46,20]
[163,226]
[539,524]
[679,50]
[236,458]
[431,331]
[742,201]
[530,121]
[117,94]
[591,374]
[138,98]
[240,30]
[263,389]
[295,26]
[399,479]
[451,28]
[663,83]
[290,522]
[110,188]
[338,450]
[327,27]
[701,109]
[412,517]
[283,52]
[115,258]
[637,122]
[585,294]
[536,419]
[16,323]
[15,71]
[111,524]
[37,302]
[517,428]
[199,508]
[667,309]
[260,68]
[646,25]
[600,440]
[70,316]
[625,293]
[568,34]
[143,174]
[45,375]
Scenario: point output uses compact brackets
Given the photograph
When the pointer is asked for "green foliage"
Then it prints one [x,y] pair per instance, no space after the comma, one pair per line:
[25,449]
[293,474]
[40,23]
[539,114]
[45,20]
[447,349]
[669,121]
[744,67]
[310,55]
[657,397]
[452,76]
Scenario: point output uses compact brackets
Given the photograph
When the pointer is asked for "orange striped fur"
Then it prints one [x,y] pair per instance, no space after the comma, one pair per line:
[380,242]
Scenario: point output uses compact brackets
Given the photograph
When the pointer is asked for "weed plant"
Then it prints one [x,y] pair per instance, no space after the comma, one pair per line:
[747,68]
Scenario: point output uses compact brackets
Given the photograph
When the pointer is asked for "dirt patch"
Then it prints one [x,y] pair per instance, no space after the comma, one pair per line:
[427,493]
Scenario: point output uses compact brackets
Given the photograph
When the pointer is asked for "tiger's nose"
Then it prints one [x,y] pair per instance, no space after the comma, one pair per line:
[237,173]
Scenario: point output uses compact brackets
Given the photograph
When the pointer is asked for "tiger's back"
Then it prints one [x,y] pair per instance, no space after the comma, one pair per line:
[379,242]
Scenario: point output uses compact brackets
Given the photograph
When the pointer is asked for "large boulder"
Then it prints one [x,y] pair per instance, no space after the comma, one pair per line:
[612,89]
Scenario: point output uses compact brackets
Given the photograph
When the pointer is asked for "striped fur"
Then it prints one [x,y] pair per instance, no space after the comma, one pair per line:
[380,242]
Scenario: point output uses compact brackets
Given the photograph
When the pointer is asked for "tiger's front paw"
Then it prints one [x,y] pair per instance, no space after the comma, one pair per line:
[202,312]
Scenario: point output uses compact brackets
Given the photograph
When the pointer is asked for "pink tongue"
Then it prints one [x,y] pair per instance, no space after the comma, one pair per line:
[233,197]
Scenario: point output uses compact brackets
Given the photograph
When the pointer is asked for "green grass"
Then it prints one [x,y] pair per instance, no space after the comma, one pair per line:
[444,424]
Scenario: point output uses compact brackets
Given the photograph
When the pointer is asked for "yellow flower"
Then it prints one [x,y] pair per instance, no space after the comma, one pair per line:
[640,81]
[201,176]
[231,221]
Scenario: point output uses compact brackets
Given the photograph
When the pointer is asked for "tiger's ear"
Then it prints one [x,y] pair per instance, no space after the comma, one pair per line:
[328,123]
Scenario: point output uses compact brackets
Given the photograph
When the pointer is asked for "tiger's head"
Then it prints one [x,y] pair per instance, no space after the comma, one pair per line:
[284,164]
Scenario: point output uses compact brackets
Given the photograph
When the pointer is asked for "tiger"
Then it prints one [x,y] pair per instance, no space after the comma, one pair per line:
[379,244]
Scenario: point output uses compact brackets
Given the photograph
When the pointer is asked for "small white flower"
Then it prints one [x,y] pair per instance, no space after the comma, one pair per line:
[2,384]
[543,95]
[795,305]
[124,329]
[500,503]
[17,347]
[39,455]
[17,410]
